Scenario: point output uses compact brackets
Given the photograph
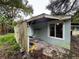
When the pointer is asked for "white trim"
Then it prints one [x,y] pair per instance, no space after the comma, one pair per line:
[55,34]
[64,31]
[49,16]
[56,38]
[54,30]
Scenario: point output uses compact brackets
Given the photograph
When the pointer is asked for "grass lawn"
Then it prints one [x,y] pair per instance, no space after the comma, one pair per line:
[9,40]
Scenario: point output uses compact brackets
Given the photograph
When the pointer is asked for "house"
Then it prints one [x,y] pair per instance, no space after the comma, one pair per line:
[75,28]
[54,30]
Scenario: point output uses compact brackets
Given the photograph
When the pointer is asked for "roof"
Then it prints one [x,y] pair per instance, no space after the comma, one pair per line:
[49,16]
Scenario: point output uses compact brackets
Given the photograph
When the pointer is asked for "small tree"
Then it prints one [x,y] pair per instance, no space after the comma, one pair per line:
[10,8]
[5,24]
[75,18]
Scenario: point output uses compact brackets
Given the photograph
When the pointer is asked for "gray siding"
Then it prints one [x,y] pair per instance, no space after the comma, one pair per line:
[42,32]
[30,31]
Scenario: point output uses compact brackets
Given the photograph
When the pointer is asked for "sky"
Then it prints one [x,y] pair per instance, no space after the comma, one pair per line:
[39,6]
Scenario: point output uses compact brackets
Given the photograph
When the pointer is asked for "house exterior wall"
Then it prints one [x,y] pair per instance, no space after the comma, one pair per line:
[41,30]
[30,30]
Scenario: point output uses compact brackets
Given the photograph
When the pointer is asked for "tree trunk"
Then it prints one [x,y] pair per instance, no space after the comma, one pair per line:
[2,31]
[22,35]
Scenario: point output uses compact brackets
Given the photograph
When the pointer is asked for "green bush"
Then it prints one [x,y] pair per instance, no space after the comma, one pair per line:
[9,39]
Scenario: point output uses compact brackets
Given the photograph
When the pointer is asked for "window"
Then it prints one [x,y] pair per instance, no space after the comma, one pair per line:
[56,30]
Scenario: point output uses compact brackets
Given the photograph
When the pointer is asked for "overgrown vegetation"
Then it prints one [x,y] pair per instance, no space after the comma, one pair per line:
[9,10]
[75,18]
[9,49]
[8,40]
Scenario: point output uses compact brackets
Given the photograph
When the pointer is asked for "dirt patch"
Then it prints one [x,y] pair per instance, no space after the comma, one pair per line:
[46,51]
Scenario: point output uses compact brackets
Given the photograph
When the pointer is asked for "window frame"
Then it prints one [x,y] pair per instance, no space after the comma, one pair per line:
[54,37]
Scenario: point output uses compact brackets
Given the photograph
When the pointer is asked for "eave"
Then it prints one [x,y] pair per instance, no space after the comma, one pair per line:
[49,17]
